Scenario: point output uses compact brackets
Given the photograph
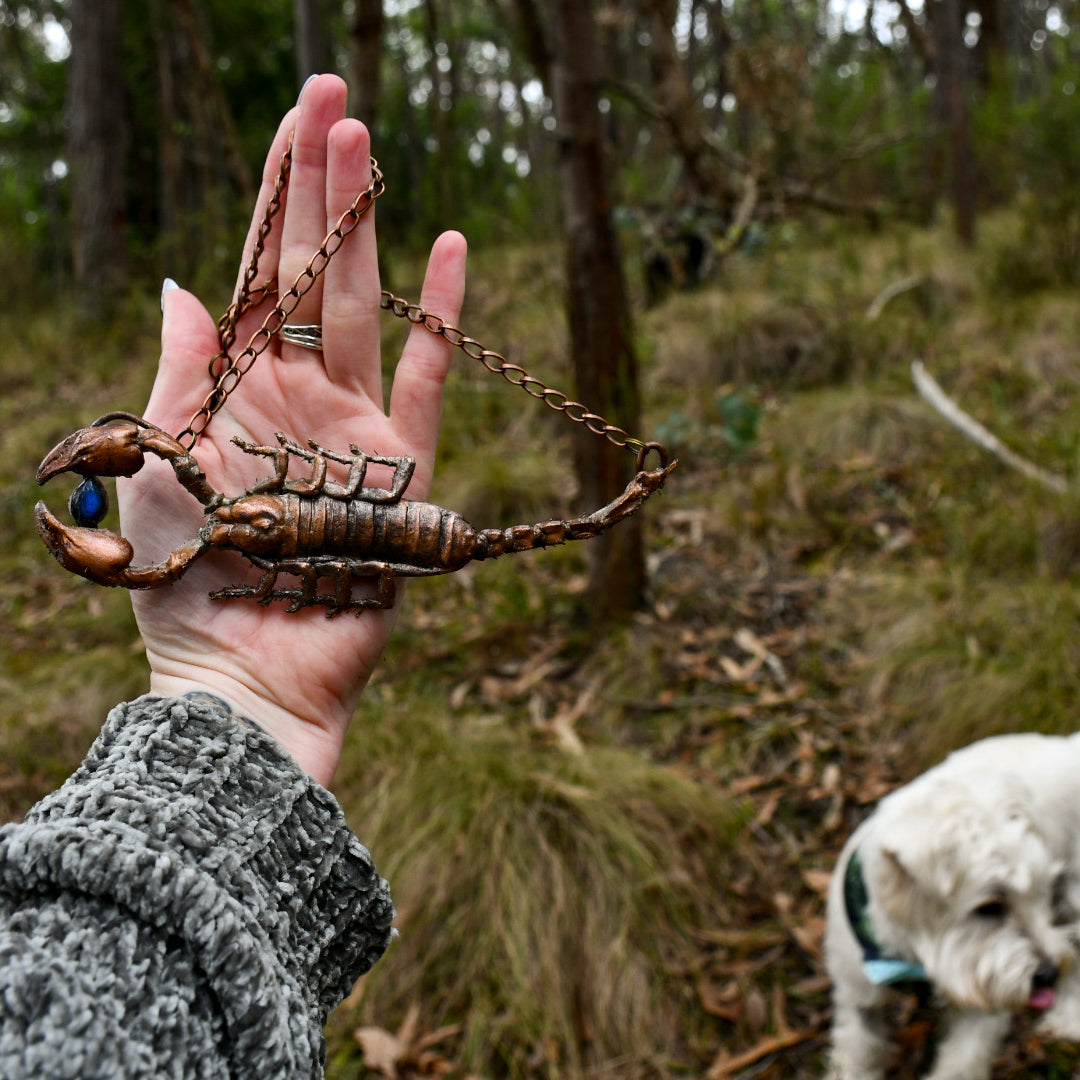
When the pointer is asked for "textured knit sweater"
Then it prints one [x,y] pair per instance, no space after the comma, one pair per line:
[188,904]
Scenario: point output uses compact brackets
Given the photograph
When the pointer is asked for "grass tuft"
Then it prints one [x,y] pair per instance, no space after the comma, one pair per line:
[543,896]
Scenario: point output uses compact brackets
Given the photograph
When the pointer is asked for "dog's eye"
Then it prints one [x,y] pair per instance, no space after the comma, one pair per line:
[1063,910]
[992,909]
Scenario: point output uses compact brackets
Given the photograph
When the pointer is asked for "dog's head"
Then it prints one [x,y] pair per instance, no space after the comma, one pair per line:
[960,879]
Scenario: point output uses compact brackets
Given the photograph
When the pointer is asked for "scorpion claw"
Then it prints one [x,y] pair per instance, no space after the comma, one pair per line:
[112,450]
[100,556]
[105,558]
[114,445]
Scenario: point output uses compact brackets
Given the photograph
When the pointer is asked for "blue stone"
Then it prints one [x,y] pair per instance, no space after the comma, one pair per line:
[89,503]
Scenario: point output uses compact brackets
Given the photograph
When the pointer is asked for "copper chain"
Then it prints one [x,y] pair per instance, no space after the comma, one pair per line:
[228,378]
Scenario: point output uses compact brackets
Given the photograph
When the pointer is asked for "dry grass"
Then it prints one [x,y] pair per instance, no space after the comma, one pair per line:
[541,894]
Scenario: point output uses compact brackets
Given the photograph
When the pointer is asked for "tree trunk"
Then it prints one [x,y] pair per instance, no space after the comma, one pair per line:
[441,103]
[365,49]
[96,148]
[599,317]
[176,253]
[951,113]
[708,185]
[310,41]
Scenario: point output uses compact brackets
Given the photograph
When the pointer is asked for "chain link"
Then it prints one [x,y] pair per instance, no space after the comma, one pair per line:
[516,375]
[236,367]
[227,378]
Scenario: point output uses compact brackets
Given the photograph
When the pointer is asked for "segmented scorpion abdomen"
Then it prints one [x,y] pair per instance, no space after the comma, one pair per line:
[417,533]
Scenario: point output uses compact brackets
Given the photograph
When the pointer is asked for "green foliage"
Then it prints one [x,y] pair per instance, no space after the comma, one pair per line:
[32,196]
[729,422]
[1036,140]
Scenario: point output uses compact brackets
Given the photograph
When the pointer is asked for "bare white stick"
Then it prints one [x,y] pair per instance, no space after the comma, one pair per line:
[890,292]
[969,426]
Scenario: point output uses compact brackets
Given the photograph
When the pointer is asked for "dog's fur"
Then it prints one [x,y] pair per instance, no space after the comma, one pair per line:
[973,872]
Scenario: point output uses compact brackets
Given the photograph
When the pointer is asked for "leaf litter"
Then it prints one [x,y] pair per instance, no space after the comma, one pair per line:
[754,695]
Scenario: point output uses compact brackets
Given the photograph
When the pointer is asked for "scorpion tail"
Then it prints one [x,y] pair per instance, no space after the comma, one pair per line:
[491,543]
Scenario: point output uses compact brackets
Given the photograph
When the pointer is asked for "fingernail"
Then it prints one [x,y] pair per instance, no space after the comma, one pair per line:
[167,286]
[304,87]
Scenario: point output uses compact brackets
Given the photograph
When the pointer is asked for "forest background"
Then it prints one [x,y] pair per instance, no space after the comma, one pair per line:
[608,787]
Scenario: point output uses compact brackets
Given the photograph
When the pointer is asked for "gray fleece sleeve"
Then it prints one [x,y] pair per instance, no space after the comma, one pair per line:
[188,904]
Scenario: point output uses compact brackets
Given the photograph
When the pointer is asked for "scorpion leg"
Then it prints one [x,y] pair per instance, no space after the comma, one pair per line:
[403,472]
[358,462]
[264,591]
[318,456]
[342,598]
[343,572]
[281,465]
[317,483]
[308,593]
[387,588]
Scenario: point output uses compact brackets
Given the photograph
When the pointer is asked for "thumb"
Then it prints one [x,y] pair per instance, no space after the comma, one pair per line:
[189,340]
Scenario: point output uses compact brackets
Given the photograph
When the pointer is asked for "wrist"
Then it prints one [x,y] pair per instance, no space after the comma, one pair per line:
[313,743]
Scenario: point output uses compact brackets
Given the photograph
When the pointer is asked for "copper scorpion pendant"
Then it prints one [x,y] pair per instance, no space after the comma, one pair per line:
[311,527]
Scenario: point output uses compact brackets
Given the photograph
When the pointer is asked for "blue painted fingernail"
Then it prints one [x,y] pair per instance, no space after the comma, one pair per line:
[167,286]
[304,87]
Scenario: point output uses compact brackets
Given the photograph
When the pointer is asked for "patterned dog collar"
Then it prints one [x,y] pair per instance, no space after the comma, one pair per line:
[881,970]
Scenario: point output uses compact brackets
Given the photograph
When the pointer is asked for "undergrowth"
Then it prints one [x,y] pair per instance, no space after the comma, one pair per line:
[839,580]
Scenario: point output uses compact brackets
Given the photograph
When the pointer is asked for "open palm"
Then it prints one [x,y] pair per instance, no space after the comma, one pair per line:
[299,675]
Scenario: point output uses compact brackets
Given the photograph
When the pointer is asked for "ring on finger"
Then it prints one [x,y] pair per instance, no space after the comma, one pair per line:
[307,337]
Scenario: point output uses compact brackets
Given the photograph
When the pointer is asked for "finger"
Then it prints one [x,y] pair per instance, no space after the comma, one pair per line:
[321,105]
[188,340]
[416,397]
[350,309]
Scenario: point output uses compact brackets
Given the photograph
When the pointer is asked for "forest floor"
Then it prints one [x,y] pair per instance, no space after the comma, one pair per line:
[610,845]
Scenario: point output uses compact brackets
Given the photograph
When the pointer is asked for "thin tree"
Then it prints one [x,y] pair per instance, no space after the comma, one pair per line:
[95,146]
[365,51]
[311,41]
[951,112]
[601,335]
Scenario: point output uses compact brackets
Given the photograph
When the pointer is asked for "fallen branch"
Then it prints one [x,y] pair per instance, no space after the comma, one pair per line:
[727,1066]
[891,292]
[969,426]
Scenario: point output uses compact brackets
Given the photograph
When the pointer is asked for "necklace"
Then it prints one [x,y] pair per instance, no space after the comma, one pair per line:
[312,528]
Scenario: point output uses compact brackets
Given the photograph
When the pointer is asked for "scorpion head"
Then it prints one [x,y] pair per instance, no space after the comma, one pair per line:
[253,524]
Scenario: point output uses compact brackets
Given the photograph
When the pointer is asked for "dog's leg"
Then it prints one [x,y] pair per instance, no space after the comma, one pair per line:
[969,1045]
[861,1048]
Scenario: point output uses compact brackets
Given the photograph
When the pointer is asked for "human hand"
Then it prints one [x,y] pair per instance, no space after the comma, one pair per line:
[298,675]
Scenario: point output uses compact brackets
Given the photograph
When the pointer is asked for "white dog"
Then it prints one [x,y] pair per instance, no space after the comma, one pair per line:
[967,880]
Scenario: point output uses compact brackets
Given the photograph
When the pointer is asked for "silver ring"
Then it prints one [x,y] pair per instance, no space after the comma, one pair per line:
[307,337]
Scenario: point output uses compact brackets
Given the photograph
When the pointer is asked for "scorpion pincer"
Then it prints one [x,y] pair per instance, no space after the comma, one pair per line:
[312,528]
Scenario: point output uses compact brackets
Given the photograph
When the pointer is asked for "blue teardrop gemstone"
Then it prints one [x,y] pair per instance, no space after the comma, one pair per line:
[89,503]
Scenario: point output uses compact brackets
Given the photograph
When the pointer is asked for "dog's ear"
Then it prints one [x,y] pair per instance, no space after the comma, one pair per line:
[894,885]
[917,858]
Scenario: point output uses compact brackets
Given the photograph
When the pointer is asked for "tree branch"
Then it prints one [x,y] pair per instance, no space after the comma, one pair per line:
[969,426]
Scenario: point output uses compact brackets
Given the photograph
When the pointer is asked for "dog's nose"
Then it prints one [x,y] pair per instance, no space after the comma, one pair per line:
[1046,975]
